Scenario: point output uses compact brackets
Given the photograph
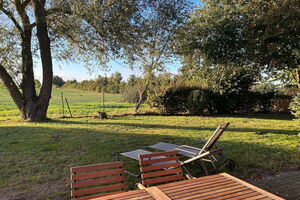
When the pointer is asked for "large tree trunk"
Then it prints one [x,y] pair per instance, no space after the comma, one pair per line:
[31,106]
[28,84]
[12,88]
[45,52]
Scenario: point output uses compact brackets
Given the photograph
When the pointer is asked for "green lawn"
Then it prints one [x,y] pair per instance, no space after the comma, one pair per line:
[81,103]
[35,157]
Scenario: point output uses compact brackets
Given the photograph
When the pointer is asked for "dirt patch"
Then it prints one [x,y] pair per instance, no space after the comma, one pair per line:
[58,190]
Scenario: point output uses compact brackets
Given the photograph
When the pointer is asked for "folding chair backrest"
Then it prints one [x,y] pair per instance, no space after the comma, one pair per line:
[215,136]
[98,180]
[160,167]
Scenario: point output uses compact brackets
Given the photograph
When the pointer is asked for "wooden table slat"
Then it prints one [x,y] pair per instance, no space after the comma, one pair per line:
[199,187]
[216,187]
[200,193]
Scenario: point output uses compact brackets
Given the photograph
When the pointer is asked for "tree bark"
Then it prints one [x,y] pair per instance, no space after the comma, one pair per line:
[298,76]
[28,84]
[142,96]
[31,106]
[45,52]
[12,88]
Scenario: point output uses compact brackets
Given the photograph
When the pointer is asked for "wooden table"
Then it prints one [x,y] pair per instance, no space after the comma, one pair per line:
[220,186]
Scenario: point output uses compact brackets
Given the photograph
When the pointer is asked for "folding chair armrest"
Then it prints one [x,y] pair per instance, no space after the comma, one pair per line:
[190,176]
[140,186]
[204,154]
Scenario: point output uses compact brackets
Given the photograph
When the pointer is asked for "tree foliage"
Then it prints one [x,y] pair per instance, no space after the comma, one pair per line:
[58,81]
[295,106]
[112,84]
[260,33]
[90,31]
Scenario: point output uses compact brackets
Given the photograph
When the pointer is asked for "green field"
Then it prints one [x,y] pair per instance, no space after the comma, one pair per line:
[81,103]
[35,157]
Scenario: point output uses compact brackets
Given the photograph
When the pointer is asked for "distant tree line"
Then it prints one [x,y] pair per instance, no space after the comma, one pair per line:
[112,84]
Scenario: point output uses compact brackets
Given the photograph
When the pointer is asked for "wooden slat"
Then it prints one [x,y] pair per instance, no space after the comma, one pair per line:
[244,196]
[98,189]
[96,167]
[268,194]
[207,193]
[191,188]
[235,194]
[157,194]
[161,173]
[136,194]
[162,179]
[160,160]
[97,181]
[194,184]
[163,166]
[166,153]
[97,196]
[96,174]
[202,179]
[214,194]
[260,196]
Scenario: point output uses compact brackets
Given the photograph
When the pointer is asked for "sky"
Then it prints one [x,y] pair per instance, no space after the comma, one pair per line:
[71,71]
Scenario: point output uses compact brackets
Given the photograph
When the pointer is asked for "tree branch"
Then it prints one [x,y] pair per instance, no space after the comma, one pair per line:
[25,3]
[11,16]
[12,88]
[58,10]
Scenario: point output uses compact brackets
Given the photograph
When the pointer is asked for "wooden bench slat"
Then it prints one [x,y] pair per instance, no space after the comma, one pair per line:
[162,179]
[97,174]
[162,166]
[161,173]
[96,167]
[166,153]
[90,182]
[98,195]
[98,189]
[160,160]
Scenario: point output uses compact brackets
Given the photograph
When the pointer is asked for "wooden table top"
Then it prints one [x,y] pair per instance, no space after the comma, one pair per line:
[214,187]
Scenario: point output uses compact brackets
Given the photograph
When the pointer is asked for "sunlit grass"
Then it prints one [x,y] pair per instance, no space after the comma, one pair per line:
[34,154]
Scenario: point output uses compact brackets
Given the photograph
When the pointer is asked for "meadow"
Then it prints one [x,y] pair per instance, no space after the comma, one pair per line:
[81,103]
[35,157]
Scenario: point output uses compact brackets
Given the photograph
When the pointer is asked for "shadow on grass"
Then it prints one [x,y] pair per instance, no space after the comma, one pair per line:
[258,131]
[40,155]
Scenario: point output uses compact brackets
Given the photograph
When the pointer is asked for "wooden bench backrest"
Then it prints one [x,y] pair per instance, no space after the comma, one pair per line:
[160,167]
[98,180]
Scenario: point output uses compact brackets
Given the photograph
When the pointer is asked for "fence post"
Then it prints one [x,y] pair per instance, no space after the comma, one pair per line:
[62,104]
[68,107]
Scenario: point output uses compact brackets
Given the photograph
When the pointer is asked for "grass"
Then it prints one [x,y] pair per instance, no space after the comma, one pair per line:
[81,103]
[35,157]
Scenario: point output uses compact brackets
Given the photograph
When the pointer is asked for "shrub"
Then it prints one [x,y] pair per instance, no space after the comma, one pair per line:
[295,106]
[173,100]
[198,102]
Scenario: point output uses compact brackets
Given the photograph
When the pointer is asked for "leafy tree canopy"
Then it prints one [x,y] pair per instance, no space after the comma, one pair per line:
[258,33]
